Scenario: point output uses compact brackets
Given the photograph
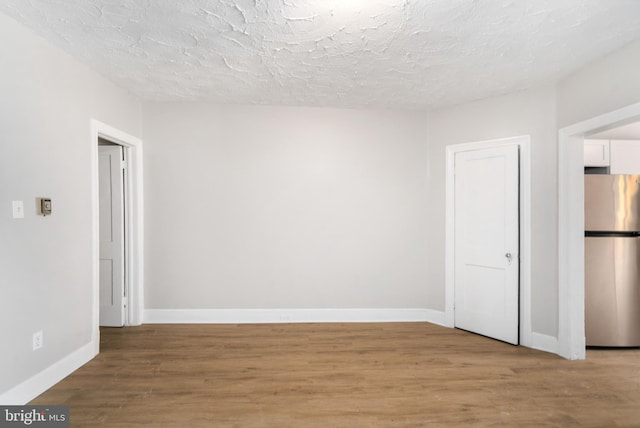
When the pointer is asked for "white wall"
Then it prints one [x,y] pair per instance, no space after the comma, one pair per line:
[266,207]
[46,105]
[524,113]
[605,85]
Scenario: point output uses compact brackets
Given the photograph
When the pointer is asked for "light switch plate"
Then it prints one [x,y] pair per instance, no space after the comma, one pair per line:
[18,209]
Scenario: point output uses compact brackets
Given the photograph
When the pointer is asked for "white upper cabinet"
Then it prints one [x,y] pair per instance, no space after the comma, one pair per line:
[625,156]
[596,153]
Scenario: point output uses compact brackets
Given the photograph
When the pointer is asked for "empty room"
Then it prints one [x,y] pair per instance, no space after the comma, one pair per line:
[318,213]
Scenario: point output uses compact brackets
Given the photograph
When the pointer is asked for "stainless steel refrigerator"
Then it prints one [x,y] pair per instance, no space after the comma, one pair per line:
[612,260]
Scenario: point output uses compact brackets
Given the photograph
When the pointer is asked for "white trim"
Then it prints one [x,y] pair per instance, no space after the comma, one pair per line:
[543,342]
[40,382]
[266,316]
[135,225]
[571,339]
[524,142]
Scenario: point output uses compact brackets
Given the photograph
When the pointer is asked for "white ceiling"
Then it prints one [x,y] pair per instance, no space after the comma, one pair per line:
[349,53]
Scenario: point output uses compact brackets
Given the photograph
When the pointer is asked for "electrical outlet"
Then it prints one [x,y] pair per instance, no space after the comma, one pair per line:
[37,340]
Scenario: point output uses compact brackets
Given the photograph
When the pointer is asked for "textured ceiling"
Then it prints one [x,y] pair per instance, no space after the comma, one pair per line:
[350,53]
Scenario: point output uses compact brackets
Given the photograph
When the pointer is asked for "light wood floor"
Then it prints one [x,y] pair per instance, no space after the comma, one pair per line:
[342,375]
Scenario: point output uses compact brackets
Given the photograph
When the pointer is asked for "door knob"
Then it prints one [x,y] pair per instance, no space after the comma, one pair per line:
[509,257]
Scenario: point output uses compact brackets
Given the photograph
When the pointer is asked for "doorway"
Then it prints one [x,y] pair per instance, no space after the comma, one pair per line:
[131,148]
[571,321]
[487,290]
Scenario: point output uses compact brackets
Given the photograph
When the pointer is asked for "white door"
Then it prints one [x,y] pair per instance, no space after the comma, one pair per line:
[486,230]
[112,272]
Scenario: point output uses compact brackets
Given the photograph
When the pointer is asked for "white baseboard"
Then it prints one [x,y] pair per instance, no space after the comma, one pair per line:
[542,342]
[39,383]
[265,316]
[271,316]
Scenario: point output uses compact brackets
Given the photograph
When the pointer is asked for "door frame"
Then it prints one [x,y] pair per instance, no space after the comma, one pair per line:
[524,144]
[571,335]
[134,219]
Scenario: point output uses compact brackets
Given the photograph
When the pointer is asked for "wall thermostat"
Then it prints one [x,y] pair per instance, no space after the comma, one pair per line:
[45,206]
